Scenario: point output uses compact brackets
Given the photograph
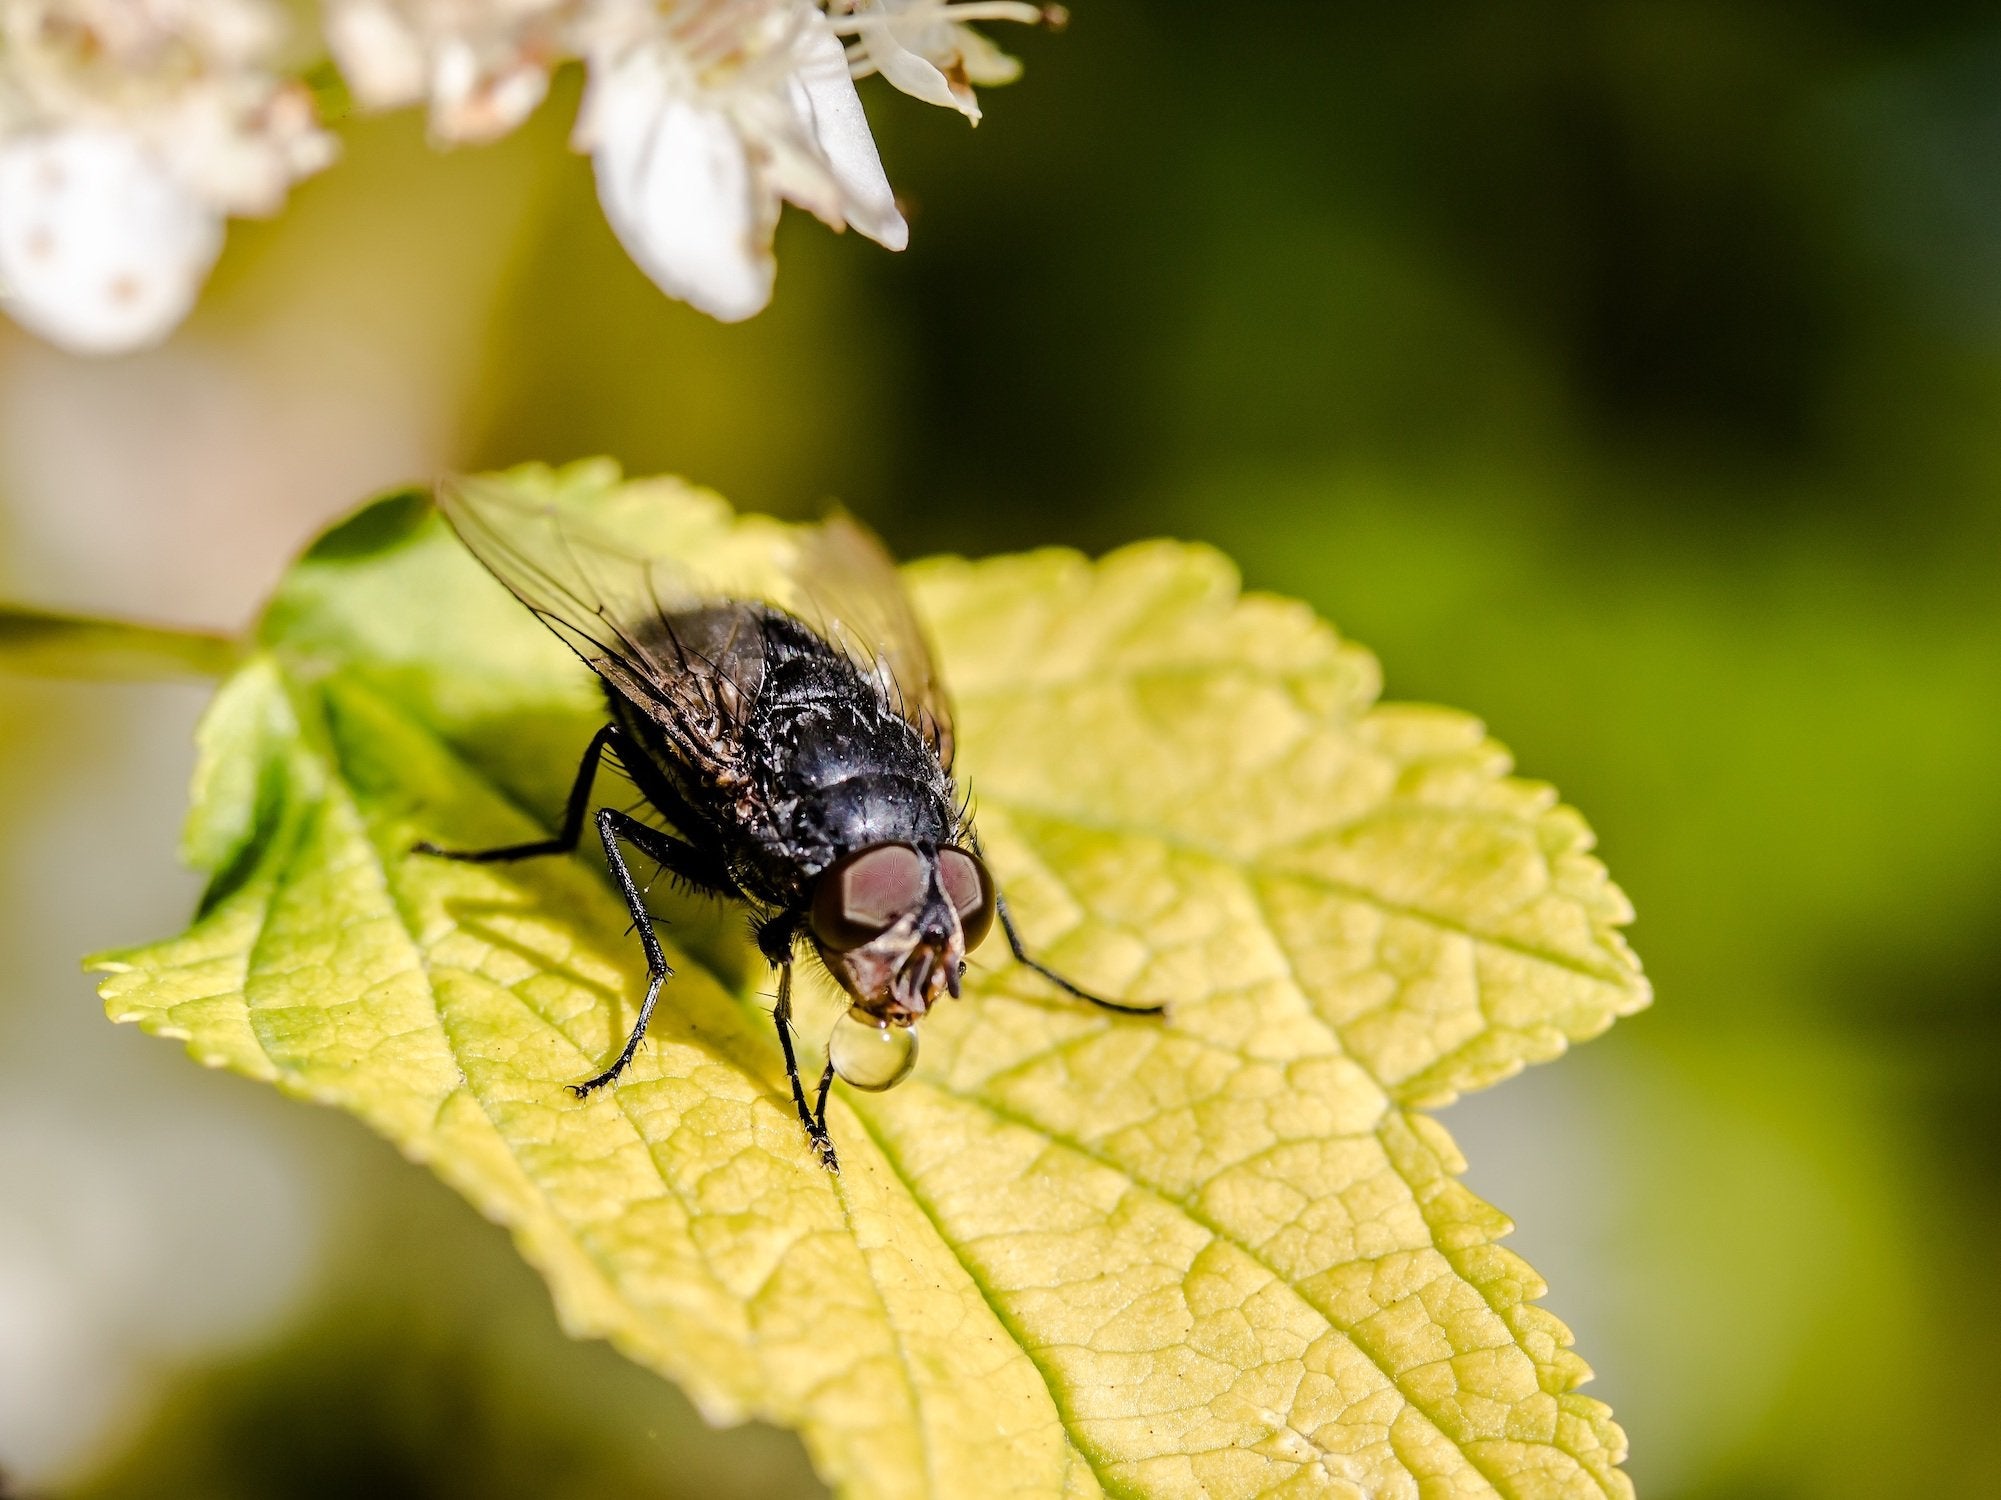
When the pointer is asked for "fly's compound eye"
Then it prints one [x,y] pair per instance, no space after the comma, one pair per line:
[862,896]
[970,888]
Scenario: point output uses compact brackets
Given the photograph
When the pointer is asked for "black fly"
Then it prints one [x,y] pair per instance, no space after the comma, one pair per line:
[800,751]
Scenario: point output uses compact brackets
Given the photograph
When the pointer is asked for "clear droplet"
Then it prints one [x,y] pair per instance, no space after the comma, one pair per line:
[870,1055]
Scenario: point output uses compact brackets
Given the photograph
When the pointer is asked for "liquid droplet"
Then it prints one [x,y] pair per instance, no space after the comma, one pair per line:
[869,1055]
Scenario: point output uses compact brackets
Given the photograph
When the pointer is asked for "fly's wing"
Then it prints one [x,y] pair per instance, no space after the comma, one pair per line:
[849,591]
[692,663]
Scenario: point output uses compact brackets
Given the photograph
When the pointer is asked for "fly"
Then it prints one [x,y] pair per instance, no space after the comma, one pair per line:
[801,754]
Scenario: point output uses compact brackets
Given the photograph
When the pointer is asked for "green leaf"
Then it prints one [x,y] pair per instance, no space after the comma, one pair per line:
[1076,1253]
[46,644]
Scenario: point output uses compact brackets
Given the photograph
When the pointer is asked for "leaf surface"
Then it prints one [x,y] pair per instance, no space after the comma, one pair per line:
[1077,1253]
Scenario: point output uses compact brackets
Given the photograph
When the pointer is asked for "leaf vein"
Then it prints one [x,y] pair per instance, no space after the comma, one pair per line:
[1229,1237]
[1252,865]
[1098,1465]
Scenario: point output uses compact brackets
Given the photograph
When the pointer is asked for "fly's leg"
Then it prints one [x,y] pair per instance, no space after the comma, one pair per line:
[673,855]
[1069,987]
[826,1082]
[815,1121]
[1028,961]
[676,856]
[572,830]
[775,938]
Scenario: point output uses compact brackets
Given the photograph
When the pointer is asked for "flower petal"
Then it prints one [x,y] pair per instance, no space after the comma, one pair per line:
[823,95]
[677,185]
[981,60]
[476,99]
[934,60]
[102,250]
[916,75]
[380,54]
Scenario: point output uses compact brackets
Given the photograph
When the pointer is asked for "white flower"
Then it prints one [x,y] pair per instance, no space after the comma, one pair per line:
[101,248]
[925,48]
[699,129]
[483,64]
[701,116]
[129,129]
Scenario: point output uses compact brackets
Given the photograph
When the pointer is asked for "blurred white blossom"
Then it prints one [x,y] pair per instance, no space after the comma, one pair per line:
[925,48]
[699,131]
[481,65]
[129,129]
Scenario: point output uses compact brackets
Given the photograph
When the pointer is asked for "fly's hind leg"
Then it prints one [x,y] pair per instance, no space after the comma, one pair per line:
[677,857]
[815,1121]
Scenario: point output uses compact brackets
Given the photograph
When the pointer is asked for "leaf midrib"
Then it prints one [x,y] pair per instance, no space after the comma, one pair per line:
[1096,1463]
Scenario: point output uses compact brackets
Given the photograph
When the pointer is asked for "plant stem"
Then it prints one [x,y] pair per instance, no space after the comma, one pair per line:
[41,643]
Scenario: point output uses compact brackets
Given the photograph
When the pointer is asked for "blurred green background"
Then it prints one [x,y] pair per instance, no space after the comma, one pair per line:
[1629,374]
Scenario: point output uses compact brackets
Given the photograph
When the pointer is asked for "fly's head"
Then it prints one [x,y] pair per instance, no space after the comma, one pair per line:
[893,923]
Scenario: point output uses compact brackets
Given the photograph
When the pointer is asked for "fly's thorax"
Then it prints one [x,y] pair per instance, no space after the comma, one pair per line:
[875,807]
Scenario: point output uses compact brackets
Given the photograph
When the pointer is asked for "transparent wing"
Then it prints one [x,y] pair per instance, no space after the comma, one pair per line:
[690,660]
[688,648]
[850,592]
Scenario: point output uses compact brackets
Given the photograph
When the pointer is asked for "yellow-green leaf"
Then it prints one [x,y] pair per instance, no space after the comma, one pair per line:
[1076,1253]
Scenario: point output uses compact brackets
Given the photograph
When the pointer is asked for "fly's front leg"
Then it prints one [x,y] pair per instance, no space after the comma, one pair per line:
[677,857]
[566,839]
[826,1082]
[815,1121]
[1069,987]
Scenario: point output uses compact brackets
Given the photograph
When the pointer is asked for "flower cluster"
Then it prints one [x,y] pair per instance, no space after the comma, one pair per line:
[131,129]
